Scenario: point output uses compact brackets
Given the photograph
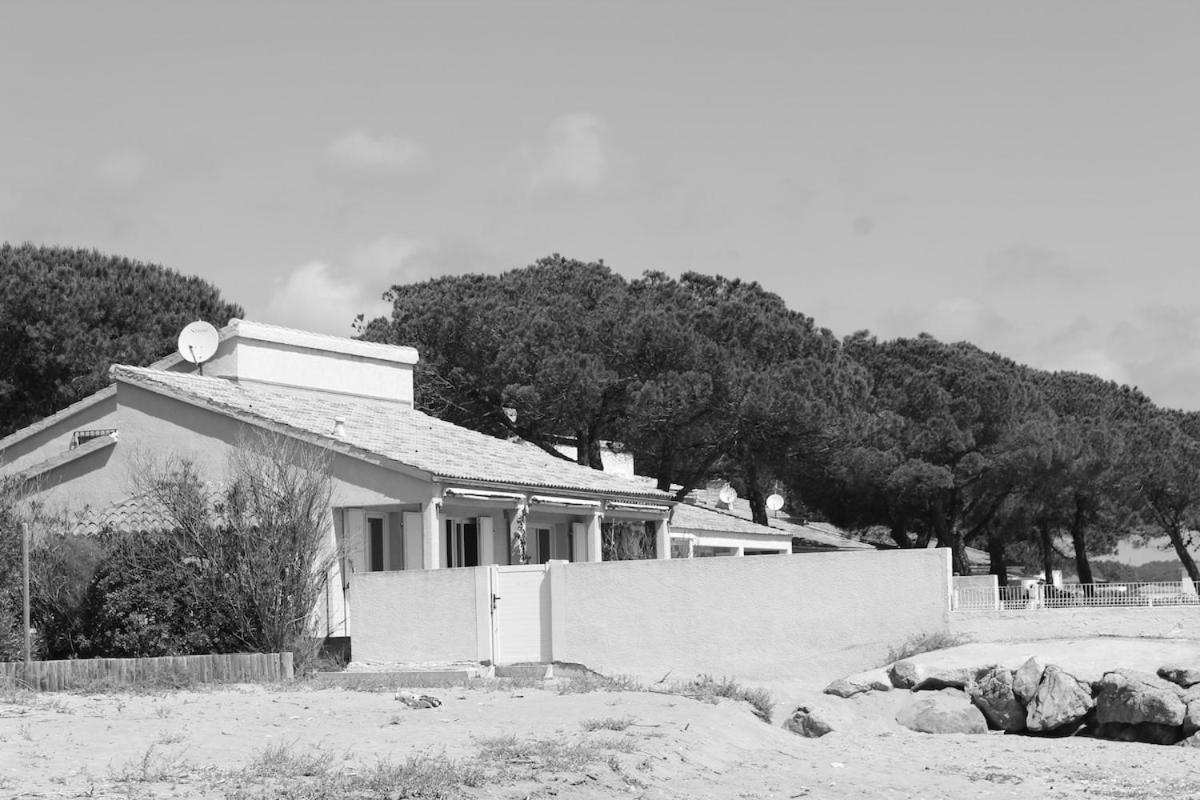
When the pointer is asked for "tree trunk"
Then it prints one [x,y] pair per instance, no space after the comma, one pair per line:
[900,535]
[666,463]
[959,554]
[998,566]
[587,447]
[952,539]
[1047,546]
[1185,557]
[757,500]
[1078,538]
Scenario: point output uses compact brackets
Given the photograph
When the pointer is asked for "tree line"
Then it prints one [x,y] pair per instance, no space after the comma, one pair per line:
[706,376]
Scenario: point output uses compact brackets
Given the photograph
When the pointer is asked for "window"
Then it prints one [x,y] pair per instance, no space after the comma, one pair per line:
[462,543]
[377,544]
[543,536]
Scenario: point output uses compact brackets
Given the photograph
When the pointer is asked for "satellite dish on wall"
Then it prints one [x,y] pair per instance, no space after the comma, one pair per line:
[198,342]
[774,502]
[727,495]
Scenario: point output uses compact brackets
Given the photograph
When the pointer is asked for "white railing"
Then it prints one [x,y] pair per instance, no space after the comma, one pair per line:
[1072,595]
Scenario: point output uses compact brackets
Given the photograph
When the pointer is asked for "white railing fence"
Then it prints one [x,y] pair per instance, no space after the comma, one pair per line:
[971,595]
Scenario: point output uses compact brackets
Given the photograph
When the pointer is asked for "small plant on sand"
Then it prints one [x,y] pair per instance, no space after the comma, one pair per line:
[283,759]
[554,755]
[283,771]
[607,724]
[708,689]
[584,682]
[152,767]
[924,643]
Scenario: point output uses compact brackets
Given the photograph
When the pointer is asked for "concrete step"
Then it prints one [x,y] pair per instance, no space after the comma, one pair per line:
[390,679]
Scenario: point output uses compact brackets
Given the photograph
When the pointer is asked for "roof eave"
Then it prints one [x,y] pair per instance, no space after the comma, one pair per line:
[16,437]
[327,442]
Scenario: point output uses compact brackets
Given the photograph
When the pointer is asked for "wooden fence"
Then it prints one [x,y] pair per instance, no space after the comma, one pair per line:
[51,676]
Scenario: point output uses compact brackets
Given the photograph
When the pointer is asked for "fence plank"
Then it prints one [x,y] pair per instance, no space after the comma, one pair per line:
[66,674]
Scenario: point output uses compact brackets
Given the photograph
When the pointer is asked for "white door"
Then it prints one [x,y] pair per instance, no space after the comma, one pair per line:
[521,613]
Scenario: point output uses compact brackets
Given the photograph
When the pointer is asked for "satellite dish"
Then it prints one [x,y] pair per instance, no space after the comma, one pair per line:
[727,494]
[774,502]
[198,342]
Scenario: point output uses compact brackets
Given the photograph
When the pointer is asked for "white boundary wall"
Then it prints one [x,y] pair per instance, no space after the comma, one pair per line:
[758,618]
[1151,622]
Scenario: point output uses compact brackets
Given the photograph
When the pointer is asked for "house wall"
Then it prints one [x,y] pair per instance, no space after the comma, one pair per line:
[1154,622]
[753,618]
[419,617]
[153,429]
[56,439]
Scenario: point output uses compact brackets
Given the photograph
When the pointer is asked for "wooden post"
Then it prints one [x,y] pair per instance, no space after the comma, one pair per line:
[24,529]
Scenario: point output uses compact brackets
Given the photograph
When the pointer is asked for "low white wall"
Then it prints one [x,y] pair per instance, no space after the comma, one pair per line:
[818,615]
[758,618]
[420,616]
[1070,623]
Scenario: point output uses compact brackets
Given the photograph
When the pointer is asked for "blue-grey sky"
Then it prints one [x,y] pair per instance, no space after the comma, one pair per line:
[1023,175]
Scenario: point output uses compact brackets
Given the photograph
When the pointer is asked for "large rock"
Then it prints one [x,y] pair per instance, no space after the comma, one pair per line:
[1132,697]
[918,676]
[1026,679]
[808,722]
[1060,703]
[1145,732]
[1181,674]
[1191,741]
[857,684]
[993,695]
[1191,720]
[947,711]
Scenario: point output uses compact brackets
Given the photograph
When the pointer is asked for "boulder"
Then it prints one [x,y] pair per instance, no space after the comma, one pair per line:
[845,687]
[1191,719]
[1026,679]
[947,711]
[1191,741]
[808,722]
[1183,675]
[919,677]
[993,695]
[1146,732]
[1131,697]
[1060,703]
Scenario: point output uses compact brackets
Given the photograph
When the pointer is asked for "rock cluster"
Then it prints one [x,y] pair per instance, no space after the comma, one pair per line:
[1036,698]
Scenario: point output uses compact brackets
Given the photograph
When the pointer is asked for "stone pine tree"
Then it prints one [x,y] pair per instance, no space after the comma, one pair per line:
[66,315]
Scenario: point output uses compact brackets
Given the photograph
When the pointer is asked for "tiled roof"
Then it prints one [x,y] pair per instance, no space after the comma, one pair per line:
[387,430]
[67,456]
[139,514]
[816,534]
[698,518]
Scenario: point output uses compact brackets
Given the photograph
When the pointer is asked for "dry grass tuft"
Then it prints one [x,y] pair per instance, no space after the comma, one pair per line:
[924,643]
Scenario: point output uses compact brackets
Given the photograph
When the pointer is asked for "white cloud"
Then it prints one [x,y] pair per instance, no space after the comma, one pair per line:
[1094,361]
[575,156]
[324,297]
[361,150]
[313,297]
[1017,266]
[389,257]
[121,168]
[956,319]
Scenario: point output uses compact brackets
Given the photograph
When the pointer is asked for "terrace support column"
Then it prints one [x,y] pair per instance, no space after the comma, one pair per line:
[518,542]
[594,553]
[431,523]
[662,539]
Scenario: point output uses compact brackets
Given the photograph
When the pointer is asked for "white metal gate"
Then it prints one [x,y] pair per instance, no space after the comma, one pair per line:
[521,613]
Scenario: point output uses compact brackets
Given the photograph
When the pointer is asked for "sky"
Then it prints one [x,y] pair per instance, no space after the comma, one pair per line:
[1021,175]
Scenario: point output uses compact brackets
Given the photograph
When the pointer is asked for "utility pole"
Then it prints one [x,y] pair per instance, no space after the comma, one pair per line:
[24,529]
